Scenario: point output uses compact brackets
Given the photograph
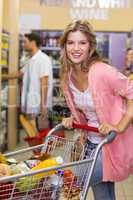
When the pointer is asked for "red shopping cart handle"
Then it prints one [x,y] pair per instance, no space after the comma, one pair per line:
[85,127]
[110,137]
[78,126]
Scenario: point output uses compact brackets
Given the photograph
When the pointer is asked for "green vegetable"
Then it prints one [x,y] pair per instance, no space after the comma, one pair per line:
[27,183]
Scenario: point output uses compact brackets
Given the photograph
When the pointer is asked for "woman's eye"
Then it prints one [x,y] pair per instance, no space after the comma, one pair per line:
[83,43]
[69,42]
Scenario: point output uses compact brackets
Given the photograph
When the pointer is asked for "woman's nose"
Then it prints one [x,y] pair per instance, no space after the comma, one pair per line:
[76,46]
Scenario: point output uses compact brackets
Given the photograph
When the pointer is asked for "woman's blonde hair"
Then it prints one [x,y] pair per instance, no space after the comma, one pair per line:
[93,56]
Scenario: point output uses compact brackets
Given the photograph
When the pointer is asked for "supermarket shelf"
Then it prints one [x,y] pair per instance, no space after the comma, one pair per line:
[4,66]
[51,48]
[4,108]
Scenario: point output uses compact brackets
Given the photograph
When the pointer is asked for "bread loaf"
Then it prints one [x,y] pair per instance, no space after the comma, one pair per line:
[27,126]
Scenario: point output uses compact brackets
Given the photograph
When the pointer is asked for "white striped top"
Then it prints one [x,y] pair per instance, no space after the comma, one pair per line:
[84,101]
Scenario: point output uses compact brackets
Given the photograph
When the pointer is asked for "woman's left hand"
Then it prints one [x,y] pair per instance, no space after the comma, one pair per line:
[106,128]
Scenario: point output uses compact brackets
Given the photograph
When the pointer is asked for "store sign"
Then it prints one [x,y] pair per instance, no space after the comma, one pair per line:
[90,9]
[95,9]
[100,3]
[97,14]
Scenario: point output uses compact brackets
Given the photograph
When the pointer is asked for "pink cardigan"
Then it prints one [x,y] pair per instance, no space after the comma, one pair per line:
[108,86]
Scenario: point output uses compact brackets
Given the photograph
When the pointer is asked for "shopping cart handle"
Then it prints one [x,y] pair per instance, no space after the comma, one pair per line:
[77,126]
[85,127]
[58,127]
[110,137]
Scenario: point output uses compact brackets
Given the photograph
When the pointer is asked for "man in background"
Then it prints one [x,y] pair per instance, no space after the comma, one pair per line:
[37,78]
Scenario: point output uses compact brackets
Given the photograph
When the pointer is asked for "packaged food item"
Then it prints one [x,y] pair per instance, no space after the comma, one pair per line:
[30,182]
[11,161]
[68,177]
[5,170]
[48,163]
[15,169]
[3,159]
[19,168]
[32,163]
[6,160]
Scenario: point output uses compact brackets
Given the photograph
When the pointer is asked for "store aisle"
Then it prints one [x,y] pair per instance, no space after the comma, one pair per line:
[124,190]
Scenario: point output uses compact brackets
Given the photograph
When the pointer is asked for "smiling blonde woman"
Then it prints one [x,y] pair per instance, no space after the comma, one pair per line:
[98,95]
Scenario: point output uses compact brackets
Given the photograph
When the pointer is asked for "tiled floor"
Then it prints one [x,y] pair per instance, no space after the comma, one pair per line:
[124,190]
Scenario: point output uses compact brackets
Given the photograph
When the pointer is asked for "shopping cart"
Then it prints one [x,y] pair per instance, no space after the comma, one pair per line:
[72,182]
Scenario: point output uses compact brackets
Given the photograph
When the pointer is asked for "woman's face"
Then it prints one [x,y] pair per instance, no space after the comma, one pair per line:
[129,56]
[77,47]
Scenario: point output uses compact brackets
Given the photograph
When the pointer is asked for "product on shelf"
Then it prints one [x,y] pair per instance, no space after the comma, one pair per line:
[5,49]
[4,90]
[131,76]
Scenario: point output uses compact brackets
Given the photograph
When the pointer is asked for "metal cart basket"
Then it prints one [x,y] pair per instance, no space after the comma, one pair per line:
[71,179]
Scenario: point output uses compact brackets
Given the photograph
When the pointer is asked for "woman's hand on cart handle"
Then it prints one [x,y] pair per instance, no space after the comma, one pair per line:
[109,137]
[67,122]
[105,128]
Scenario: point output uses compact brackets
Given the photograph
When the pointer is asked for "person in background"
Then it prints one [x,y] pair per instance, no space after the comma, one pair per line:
[37,81]
[128,69]
[98,95]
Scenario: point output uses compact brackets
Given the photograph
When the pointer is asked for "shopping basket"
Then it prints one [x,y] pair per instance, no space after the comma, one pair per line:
[72,184]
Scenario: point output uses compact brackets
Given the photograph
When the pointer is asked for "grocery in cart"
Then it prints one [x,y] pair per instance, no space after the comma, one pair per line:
[60,173]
